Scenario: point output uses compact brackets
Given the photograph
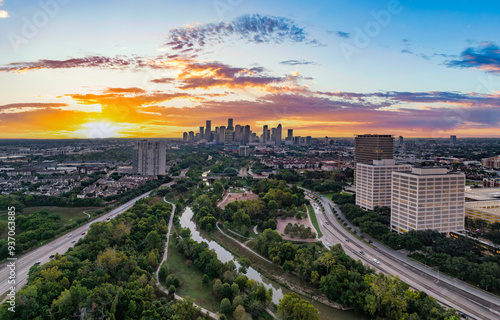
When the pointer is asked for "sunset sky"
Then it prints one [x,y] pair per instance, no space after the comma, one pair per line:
[157,68]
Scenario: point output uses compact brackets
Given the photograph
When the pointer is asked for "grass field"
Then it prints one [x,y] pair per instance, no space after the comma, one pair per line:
[314,221]
[190,279]
[68,214]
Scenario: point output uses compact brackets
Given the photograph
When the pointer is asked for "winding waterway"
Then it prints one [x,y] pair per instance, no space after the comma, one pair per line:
[326,313]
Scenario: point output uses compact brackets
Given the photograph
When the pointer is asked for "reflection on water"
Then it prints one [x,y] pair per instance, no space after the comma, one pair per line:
[327,313]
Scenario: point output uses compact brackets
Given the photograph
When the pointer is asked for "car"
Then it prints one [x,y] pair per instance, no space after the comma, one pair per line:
[328,245]
[73,241]
[361,252]
[37,263]
[376,261]
[69,235]
[107,219]
[347,240]
[52,256]
[83,233]
[327,222]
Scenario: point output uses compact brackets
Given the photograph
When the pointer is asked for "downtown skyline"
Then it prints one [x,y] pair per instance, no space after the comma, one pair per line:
[336,69]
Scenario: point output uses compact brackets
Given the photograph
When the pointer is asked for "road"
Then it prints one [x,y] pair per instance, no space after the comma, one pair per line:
[448,291]
[59,245]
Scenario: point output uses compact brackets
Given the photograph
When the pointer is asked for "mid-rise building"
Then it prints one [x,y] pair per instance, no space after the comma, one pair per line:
[369,147]
[244,151]
[492,162]
[373,182]
[428,198]
[149,158]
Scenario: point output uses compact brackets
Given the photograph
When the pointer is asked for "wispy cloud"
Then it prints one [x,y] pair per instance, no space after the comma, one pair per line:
[250,28]
[296,62]
[485,57]
[340,34]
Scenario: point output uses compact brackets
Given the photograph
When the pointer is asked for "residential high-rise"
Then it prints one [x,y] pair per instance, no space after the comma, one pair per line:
[369,147]
[278,134]
[401,140]
[149,158]
[373,182]
[208,130]
[453,139]
[308,140]
[185,137]
[273,135]
[191,136]
[428,198]
[230,124]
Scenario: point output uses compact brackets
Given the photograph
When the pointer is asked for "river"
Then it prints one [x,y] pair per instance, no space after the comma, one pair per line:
[326,313]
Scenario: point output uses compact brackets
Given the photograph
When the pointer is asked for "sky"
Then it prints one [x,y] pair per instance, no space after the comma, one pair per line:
[158,68]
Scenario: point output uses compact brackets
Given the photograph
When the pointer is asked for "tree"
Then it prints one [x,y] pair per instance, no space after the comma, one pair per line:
[272,205]
[240,313]
[163,272]
[225,306]
[291,307]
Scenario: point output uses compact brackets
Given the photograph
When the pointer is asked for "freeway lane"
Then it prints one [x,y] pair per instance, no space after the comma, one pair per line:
[469,300]
[59,245]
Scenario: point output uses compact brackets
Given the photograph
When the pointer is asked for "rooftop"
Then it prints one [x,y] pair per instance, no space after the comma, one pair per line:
[491,207]
[482,194]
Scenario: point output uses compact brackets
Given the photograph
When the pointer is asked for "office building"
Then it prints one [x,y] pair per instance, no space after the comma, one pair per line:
[246,134]
[191,136]
[244,151]
[453,139]
[149,158]
[221,135]
[373,182]
[369,147]
[185,137]
[230,124]
[208,130]
[308,140]
[428,198]
[290,135]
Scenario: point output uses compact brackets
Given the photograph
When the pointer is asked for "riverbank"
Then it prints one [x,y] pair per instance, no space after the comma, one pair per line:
[273,272]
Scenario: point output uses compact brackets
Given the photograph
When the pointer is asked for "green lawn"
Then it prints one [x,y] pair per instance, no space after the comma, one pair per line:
[68,214]
[314,221]
[190,280]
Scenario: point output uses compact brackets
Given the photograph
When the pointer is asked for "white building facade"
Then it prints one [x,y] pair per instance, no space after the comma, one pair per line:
[428,198]
[373,182]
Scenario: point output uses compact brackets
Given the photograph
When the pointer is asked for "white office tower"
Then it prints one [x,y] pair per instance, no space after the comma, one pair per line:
[373,182]
[428,198]
[150,158]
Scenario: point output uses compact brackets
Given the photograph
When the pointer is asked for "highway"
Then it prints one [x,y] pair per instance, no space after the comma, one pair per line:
[59,245]
[448,291]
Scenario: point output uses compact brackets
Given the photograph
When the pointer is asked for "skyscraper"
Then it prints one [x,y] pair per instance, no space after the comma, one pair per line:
[208,130]
[290,135]
[265,133]
[246,134]
[369,147]
[228,137]
[238,133]
[191,136]
[278,134]
[202,132]
[221,135]
[230,124]
[401,140]
[185,137]
[149,158]
[453,139]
